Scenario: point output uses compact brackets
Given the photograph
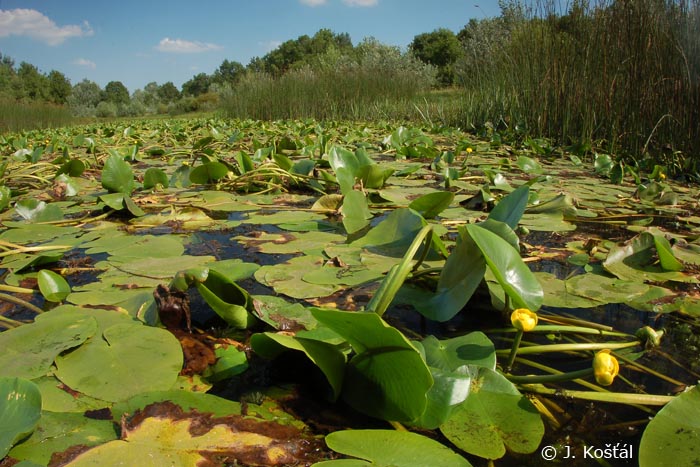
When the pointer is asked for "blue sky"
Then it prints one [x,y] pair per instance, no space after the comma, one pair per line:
[137,42]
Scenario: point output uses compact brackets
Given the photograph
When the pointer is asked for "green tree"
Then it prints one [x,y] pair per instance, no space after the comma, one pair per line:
[440,48]
[199,84]
[7,76]
[84,98]
[116,92]
[168,92]
[59,87]
[229,72]
[31,83]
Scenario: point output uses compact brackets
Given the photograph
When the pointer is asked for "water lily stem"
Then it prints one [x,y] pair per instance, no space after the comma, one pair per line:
[553,378]
[397,426]
[9,323]
[18,301]
[514,349]
[537,349]
[13,289]
[618,397]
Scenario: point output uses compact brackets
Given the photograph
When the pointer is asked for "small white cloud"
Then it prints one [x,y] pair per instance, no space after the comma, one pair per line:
[31,23]
[84,62]
[269,46]
[313,2]
[180,46]
[361,3]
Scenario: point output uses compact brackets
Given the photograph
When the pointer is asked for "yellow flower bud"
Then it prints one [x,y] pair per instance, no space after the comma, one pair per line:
[605,367]
[523,319]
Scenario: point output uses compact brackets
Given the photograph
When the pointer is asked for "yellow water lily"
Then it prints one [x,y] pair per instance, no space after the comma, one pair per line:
[605,367]
[523,319]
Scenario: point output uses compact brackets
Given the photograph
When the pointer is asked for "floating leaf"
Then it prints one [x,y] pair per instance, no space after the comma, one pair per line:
[494,416]
[390,448]
[34,210]
[148,358]
[20,410]
[53,286]
[30,350]
[674,433]
[166,435]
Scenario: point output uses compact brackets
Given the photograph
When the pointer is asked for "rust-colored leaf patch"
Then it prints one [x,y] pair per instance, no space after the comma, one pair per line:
[166,435]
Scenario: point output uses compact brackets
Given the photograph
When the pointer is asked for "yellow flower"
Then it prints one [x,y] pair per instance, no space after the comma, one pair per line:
[469,150]
[605,367]
[523,319]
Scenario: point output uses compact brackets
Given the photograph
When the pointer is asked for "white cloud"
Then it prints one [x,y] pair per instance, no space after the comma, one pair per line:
[84,62]
[313,2]
[362,3]
[181,46]
[31,23]
[270,45]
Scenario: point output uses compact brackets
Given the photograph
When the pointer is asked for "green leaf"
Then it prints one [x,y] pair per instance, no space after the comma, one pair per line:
[511,208]
[507,266]
[327,357]
[529,165]
[154,177]
[387,378]
[463,272]
[450,354]
[374,176]
[57,432]
[34,210]
[53,286]
[495,416]
[227,299]
[390,448]
[603,164]
[147,358]
[117,176]
[30,350]
[674,433]
[208,172]
[666,257]
[432,204]
[356,214]
[5,197]
[20,411]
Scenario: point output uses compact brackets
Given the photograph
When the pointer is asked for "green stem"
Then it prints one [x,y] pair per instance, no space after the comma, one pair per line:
[617,397]
[9,323]
[564,329]
[537,349]
[514,349]
[18,301]
[553,378]
[13,289]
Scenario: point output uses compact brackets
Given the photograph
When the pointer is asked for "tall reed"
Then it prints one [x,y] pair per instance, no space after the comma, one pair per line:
[17,116]
[622,72]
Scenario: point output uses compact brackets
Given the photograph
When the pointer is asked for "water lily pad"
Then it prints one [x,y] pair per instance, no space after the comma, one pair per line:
[187,400]
[674,433]
[494,416]
[387,447]
[148,358]
[20,410]
[30,350]
[57,432]
[53,286]
[117,176]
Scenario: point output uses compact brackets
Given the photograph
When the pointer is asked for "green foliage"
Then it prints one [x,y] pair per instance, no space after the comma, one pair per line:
[440,48]
[20,410]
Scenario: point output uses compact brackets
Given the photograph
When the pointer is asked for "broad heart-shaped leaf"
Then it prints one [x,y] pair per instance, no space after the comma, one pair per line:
[390,448]
[374,176]
[508,268]
[463,272]
[117,176]
[432,204]
[126,360]
[29,351]
[209,172]
[494,416]
[674,433]
[329,359]
[58,431]
[227,299]
[511,208]
[186,400]
[356,214]
[474,348]
[387,378]
[635,261]
[34,210]
[53,286]
[164,435]
[448,361]
[20,410]
[154,177]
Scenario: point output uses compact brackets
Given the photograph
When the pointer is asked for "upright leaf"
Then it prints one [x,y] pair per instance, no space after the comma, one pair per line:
[20,411]
[117,176]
